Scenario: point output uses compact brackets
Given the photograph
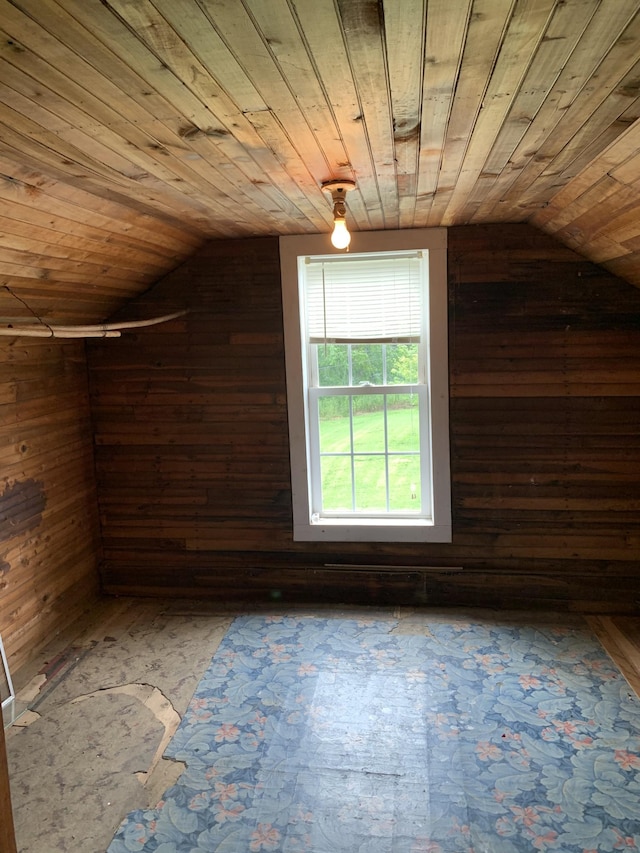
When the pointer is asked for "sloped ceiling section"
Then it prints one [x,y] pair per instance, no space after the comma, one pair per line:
[132,131]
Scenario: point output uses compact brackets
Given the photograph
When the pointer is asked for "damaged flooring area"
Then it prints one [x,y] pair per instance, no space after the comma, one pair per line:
[94,714]
[98,707]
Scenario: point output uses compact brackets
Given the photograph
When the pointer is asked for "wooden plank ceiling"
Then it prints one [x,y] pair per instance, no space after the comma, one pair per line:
[132,131]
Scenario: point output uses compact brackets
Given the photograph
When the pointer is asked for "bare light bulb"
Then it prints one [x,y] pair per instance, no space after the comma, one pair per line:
[340,237]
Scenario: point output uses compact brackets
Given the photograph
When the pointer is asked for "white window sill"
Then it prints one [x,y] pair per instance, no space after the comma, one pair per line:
[372,530]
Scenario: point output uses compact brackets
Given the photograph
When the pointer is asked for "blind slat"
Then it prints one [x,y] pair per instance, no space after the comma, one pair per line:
[355,299]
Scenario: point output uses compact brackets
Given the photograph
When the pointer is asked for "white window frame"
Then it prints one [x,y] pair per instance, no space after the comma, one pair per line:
[389,528]
[7,694]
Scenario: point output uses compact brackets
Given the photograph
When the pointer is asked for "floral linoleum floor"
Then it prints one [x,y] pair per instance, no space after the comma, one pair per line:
[358,735]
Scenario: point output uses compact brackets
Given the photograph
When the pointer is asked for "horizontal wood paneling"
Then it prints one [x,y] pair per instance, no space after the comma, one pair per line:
[192,443]
[49,534]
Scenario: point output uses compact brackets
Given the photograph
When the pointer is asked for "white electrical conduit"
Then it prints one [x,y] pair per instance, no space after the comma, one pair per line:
[101,330]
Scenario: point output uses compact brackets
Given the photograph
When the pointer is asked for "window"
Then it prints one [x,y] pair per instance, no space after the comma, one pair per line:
[367,386]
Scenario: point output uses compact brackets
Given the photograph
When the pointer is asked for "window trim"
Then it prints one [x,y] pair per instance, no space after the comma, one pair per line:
[437,529]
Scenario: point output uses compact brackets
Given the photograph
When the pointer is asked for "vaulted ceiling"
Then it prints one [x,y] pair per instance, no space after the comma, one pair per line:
[133,131]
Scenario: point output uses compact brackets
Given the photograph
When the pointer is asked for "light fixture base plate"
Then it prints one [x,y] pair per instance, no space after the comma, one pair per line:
[341,188]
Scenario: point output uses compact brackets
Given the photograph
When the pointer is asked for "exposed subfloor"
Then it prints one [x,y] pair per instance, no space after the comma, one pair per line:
[97,708]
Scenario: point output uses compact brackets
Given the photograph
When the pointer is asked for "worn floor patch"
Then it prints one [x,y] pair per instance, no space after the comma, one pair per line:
[94,723]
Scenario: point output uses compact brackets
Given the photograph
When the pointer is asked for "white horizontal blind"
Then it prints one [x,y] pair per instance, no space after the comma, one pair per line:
[364,299]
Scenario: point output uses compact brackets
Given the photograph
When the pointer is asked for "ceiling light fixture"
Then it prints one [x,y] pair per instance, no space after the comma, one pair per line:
[339,189]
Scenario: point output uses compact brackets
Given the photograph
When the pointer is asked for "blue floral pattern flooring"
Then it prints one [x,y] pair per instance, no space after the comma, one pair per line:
[356,735]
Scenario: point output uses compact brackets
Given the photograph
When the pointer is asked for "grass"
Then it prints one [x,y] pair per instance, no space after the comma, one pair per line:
[370,474]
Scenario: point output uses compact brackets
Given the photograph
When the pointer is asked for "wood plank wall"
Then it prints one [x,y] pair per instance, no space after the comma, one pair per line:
[7,832]
[49,533]
[192,445]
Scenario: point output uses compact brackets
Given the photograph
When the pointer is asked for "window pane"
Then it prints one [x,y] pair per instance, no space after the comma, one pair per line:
[368,423]
[403,422]
[335,435]
[333,364]
[404,483]
[402,364]
[336,483]
[367,364]
[371,483]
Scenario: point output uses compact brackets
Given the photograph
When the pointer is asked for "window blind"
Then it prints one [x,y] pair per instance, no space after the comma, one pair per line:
[364,300]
